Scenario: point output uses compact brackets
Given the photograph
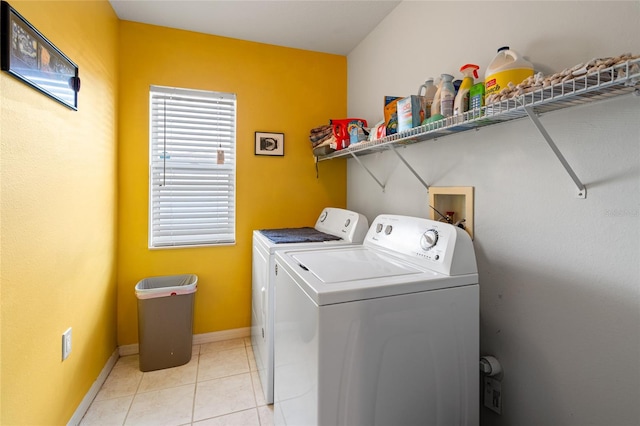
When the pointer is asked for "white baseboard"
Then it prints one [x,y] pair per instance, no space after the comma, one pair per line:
[198,339]
[124,350]
[216,336]
[93,391]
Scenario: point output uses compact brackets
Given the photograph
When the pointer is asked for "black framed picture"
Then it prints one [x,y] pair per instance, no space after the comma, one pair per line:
[270,143]
[27,55]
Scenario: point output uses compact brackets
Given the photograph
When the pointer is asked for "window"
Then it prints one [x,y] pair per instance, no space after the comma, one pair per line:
[192,159]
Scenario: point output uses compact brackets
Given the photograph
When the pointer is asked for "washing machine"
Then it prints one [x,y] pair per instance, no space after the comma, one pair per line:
[334,227]
[383,333]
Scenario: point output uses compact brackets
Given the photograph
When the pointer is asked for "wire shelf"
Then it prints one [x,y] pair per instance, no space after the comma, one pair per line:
[617,80]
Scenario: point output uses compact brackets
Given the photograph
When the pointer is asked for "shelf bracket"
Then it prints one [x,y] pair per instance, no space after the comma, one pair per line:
[393,148]
[582,190]
[355,157]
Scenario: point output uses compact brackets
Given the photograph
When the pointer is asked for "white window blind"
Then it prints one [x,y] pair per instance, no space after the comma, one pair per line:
[192,158]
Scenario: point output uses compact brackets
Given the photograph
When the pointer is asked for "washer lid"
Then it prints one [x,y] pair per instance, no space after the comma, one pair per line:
[352,273]
[337,266]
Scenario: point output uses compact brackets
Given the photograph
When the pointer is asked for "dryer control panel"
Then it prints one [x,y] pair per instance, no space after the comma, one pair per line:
[346,224]
[436,245]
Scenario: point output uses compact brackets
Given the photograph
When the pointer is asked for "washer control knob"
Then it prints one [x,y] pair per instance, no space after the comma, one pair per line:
[429,239]
[388,229]
[379,228]
[347,223]
[323,216]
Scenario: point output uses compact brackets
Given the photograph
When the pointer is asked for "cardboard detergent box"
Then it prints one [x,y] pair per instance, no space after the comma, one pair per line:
[411,112]
[391,114]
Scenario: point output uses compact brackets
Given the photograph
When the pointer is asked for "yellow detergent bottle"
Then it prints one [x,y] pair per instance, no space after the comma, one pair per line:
[508,66]
[461,103]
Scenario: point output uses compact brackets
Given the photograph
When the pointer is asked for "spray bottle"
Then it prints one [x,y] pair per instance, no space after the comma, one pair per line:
[461,103]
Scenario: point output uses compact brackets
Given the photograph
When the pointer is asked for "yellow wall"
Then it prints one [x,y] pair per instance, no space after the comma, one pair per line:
[58,220]
[62,177]
[279,90]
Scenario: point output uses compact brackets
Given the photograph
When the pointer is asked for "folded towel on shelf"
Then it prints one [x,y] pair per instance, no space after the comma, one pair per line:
[321,129]
[320,133]
[324,147]
[323,140]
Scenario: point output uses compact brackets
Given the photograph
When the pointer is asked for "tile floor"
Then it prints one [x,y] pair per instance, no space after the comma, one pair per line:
[219,386]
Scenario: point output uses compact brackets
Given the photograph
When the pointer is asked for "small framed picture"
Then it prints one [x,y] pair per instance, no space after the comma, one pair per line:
[270,144]
[28,56]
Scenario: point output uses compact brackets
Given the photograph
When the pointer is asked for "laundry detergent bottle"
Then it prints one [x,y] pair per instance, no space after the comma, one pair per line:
[507,66]
[461,102]
[447,95]
[428,95]
[435,106]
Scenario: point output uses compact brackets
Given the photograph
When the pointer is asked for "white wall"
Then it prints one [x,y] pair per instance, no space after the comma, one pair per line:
[559,275]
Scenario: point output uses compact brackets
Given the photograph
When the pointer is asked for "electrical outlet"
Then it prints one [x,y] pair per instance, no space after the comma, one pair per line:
[66,344]
[493,394]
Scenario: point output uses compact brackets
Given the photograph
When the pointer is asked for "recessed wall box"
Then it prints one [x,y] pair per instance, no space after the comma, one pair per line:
[456,199]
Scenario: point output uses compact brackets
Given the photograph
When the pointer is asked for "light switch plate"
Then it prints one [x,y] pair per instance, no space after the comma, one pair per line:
[66,344]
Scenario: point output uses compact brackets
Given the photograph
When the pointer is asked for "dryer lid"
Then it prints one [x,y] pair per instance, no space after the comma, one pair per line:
[297,235]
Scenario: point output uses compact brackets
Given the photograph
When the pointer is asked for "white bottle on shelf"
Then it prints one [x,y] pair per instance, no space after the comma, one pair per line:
[429,93]
[435,106]
[447,95]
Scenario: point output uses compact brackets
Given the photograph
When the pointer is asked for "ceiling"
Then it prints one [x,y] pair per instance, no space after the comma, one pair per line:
[330,26]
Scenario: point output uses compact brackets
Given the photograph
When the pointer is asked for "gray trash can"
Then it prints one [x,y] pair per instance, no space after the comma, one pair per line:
[165,320]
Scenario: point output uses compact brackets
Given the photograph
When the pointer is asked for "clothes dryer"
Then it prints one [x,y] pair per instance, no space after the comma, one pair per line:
[334,227]
[383,333]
